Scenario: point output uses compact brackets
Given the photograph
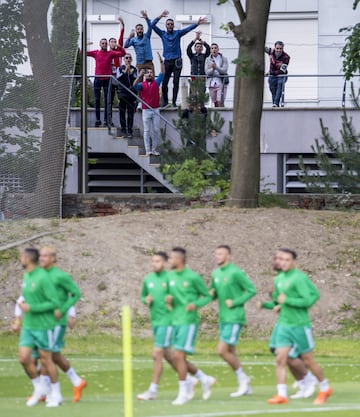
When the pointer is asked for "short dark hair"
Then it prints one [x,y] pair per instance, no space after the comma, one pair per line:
[139,24]
[280,43]
[162,254]
[226,247]
[289,251]
[112,39]
[33,254]
[169,20]
[179,250]
[214,44]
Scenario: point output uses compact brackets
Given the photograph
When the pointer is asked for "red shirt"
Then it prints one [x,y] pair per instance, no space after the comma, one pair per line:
[149,92]
[117,61]
[104,60]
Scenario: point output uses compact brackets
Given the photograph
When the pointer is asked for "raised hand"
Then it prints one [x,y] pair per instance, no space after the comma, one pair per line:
[121,20]
[143,14]
[202,20]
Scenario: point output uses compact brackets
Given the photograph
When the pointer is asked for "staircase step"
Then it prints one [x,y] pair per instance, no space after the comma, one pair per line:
[135,142]
[136,132]
[111,172]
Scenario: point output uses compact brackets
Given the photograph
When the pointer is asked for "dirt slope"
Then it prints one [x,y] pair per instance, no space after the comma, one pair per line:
[109,256]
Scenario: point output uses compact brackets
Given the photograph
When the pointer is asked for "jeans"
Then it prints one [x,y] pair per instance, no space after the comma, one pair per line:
[127,106]
[276,85]
[151,117]
[98,85]
[170,68]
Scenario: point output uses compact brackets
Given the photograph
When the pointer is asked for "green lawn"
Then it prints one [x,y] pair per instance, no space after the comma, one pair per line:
[99,362]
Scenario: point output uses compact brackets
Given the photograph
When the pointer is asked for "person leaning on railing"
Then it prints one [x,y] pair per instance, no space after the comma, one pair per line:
[279,61]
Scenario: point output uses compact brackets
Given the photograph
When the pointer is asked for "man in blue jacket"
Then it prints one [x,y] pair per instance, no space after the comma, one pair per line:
[172,53]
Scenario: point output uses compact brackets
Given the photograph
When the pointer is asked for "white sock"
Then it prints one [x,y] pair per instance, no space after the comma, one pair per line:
[309,377]
[45,380]
[153,387]
[36,382]
[201,376]
[240,374]
[73,376]
[301,383]
[55,389]
[182,388]
[324,385]
[282,390]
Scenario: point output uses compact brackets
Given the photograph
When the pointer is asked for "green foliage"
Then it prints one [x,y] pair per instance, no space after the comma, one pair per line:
[332,179]
[268,200]
[350,52]
[191,177]
[191,168]
[65,34]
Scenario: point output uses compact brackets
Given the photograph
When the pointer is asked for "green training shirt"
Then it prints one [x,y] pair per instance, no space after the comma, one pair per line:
[156,285]
[187,287]
[40,293]
[231,283]
[301,294]
[68,292]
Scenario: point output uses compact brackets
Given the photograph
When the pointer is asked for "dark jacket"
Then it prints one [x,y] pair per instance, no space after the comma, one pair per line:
[278,65]
[126,79]
[197,60]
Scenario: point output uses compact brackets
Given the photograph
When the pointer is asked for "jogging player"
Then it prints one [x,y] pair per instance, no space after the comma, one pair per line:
[187,293]
[232,287]
[295,294]
[68,293]
[305,381]
[38,326]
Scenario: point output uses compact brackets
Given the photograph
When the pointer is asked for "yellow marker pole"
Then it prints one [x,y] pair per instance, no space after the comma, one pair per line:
[127,362]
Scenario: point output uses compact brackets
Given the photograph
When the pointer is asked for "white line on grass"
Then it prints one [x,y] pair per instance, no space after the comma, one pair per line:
[270,411]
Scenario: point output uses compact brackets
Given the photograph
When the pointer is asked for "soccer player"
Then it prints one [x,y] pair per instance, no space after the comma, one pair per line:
[295,294]
[304,379]
[232,287]
[153,293]
[69,294]
[187,293]
[37,329]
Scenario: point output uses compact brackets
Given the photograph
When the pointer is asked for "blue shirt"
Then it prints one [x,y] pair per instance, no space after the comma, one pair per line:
[171,40]
[142,45]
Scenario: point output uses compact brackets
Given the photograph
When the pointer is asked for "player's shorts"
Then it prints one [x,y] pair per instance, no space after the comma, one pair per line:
[35,353]
[40,339]
[230,332]
[183,337]
[299,338]
[273,340]
[162,336]
[59,338]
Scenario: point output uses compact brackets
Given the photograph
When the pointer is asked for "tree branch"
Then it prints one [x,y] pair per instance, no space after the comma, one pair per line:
[240,10]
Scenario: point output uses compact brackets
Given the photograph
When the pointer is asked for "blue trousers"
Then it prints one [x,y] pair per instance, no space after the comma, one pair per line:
[276,87]
[98,85]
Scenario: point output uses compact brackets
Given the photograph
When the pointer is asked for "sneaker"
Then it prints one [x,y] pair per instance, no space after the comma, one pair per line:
[299,394]
[180,400]
[206,387]
[191,387]
[78,391]
[155,153]
[309,389]
[277,399]
[98,123]
[323,396]
[123,134]
[53,401]
[244,388]
[148,154]
[112,124]
[35,397]
[129,135]
[147,395]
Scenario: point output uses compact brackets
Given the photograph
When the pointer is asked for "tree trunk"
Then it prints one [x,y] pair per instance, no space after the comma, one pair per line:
[53,92]
[248,103]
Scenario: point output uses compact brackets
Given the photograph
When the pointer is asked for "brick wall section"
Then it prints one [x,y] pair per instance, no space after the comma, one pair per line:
[91,205]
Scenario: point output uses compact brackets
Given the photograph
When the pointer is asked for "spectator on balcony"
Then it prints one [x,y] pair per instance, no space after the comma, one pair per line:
[126,76]
[216,67]
[103,71]
[172,53]
[116,63]
[141,44]
[197,59]
[150,94]
[279,61]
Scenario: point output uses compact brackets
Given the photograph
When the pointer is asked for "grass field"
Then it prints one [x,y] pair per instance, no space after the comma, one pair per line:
[100,363]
